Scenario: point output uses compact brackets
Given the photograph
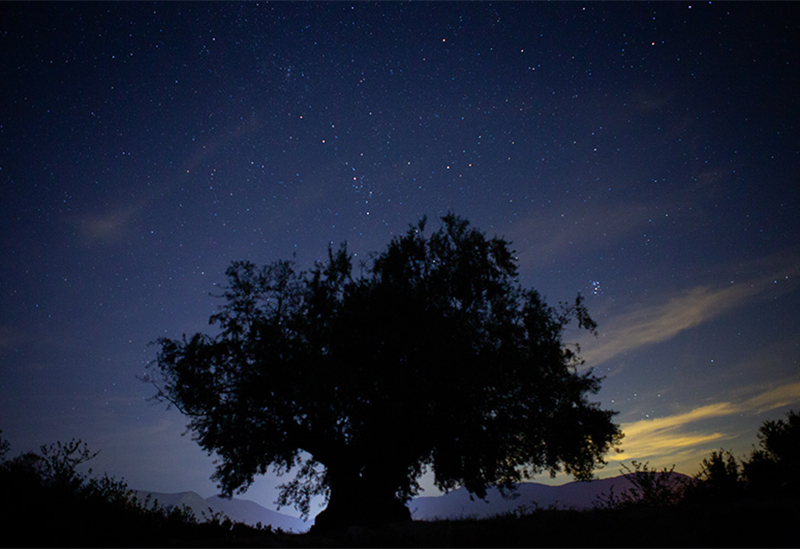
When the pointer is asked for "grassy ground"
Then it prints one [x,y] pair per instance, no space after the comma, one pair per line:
[751,523]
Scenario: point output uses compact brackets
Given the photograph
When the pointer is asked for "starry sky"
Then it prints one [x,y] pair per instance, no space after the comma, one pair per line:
[643,154]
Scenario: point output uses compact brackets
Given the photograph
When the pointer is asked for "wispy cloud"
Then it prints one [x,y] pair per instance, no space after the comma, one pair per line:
[602,221]
[667,318]
[670,435]
[543,237]
[664,320]
[10,337]
[665,435]
[109,227]
[773,398]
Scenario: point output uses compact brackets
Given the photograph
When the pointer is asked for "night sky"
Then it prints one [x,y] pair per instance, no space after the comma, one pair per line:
[645,155]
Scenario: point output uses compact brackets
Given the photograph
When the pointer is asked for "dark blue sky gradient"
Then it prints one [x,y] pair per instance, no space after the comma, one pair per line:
[644,154]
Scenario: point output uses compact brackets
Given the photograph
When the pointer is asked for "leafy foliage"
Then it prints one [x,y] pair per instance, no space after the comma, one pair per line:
[720,476]
[433,357]
[772,469]
[47,501]
[4,447]
[774,466]
[649,488]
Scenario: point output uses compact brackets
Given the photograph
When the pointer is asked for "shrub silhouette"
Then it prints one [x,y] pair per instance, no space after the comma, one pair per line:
[720,477]
[48,502]
[434,357]
[774,466]
[649,488]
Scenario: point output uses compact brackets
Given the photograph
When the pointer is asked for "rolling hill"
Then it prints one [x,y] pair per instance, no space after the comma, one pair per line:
[528,496]
[453,505]
[238,510]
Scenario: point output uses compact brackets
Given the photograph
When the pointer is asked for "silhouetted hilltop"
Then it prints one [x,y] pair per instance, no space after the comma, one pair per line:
[238,510]
[453,505]
[528,496]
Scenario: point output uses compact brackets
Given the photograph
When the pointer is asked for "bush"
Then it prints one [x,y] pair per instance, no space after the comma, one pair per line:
[774,467]
[719,477]
[649,488]
[48,502]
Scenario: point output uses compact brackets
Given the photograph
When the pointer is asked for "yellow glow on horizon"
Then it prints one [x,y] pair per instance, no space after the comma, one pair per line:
[669,435]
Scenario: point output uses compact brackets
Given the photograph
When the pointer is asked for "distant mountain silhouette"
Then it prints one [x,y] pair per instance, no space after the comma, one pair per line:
[453,505]
[238,510]
[529,495]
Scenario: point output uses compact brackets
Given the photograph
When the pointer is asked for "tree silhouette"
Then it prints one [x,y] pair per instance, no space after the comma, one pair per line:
[648,488]
[433,358]
[774,466]
[719,477]
[48,502]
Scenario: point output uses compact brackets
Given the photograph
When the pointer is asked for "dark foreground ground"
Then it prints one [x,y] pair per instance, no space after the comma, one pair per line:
[722,523]
[764,523]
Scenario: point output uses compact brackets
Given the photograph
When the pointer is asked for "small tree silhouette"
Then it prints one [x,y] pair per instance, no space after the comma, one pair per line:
[720,476]
[433,357]
[4,447]
[775,465]
[649,488]
[48,502]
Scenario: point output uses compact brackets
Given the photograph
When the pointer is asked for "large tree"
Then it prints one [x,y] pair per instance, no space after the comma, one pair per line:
[432,358]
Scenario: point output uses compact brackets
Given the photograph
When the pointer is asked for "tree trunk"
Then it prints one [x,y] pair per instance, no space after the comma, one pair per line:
[355,501]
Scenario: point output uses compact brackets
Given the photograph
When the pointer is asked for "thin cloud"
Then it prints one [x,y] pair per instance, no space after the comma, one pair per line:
[661,446]
[778,397]
[666,424]
[541,238]
[598,223]
[669,435]
[663,321]
[11,337]
[655,437]
[107,228]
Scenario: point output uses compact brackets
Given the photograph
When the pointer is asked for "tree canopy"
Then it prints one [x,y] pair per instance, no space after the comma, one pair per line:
[774,466]
[432,358]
